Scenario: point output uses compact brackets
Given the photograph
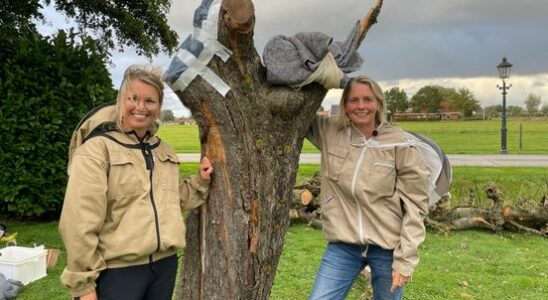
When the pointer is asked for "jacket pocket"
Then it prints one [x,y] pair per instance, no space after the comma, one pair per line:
[168,170]
[383,181]
[123,175]
[335,161]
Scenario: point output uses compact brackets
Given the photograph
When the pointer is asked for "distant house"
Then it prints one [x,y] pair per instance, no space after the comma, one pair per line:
[453,115]
[445,106]
[445,113]
[334,111]
[185,121]
[326,113]
[450,115]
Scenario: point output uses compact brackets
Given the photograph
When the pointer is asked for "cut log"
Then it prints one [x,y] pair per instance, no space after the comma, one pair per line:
[304,196]
[523,216]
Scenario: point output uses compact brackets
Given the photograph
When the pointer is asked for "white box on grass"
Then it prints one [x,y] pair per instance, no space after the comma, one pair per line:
[23,263]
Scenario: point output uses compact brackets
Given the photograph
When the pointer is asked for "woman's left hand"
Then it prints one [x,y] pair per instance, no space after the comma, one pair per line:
[398,280]
[206,168]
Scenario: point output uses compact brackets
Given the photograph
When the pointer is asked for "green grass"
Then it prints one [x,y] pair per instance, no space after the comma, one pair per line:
[481,265]
[529,184]
[469,183]
[301,256]
[454,137]
[183,138]
[30,234]
[483,137]
[526,183]
[461,265]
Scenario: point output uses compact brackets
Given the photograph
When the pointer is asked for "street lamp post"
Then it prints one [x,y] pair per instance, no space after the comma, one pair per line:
[504,72]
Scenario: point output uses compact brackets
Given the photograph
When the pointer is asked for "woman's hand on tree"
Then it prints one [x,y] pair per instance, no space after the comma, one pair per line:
[206,168]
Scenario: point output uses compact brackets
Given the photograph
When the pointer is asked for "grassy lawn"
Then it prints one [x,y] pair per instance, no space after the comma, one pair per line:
[454,137]
[461,265]
[483,137]
[469,183]
[183,138]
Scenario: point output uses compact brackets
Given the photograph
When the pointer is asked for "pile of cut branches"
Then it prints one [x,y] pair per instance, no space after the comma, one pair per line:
[521,216]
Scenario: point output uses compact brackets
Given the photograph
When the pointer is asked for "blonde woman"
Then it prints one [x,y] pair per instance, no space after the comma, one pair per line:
[121,221]
[374,193]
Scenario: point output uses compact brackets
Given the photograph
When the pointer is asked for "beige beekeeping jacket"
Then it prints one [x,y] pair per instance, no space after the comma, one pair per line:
[123,206]
[373,191]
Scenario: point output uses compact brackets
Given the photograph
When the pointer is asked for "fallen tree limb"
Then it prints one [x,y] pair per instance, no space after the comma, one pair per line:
[522,216]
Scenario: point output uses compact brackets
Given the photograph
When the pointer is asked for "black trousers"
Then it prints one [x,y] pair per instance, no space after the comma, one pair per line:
[153,281]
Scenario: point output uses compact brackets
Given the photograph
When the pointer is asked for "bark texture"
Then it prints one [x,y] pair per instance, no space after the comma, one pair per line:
[253,136]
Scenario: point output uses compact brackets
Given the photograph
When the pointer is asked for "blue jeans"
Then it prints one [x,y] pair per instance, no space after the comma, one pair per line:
[342,263]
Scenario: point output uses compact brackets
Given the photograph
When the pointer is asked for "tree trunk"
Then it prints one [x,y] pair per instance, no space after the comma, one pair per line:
[254,137]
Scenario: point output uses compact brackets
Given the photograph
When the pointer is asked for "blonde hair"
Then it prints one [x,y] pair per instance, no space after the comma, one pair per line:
[145,73]
[380,115]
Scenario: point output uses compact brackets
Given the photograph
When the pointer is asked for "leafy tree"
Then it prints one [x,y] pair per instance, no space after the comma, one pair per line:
[46,86]
[451,95]
[48,83]
[532,103]
[427,99]
[464,101]
[16,16]
[396,100]
[514,110]
[497,108]
[493,111]
[166,115]
[544,110]
[116,23]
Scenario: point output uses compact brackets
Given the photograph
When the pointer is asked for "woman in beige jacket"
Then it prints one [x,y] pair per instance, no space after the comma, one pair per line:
[374,193]
[121,221]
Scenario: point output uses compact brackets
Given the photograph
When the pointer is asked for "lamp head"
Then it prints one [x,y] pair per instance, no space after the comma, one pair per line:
[504,69]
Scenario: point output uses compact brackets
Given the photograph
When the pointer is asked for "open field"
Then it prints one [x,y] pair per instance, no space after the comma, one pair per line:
[482,137]
[469,183]
[454,137]
[462,265]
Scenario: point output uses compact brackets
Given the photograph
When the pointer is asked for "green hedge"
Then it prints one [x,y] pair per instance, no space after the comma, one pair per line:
[46,86]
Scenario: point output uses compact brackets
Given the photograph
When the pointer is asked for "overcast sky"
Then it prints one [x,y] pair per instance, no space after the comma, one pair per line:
[453,43]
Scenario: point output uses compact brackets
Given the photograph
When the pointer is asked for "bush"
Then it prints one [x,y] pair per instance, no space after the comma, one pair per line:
[46,86]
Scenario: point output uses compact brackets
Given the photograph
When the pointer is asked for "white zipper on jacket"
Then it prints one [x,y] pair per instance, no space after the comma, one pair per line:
[365,144]
[353,191]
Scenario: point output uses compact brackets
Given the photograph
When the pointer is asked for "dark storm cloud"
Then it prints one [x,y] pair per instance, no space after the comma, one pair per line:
[414,42]
[418,39]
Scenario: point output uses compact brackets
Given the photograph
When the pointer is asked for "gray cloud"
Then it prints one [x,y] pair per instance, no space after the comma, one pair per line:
[417,40]
[425,41]
[414,39]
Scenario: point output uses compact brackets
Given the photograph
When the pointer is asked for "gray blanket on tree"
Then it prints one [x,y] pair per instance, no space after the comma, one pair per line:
[291,60]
